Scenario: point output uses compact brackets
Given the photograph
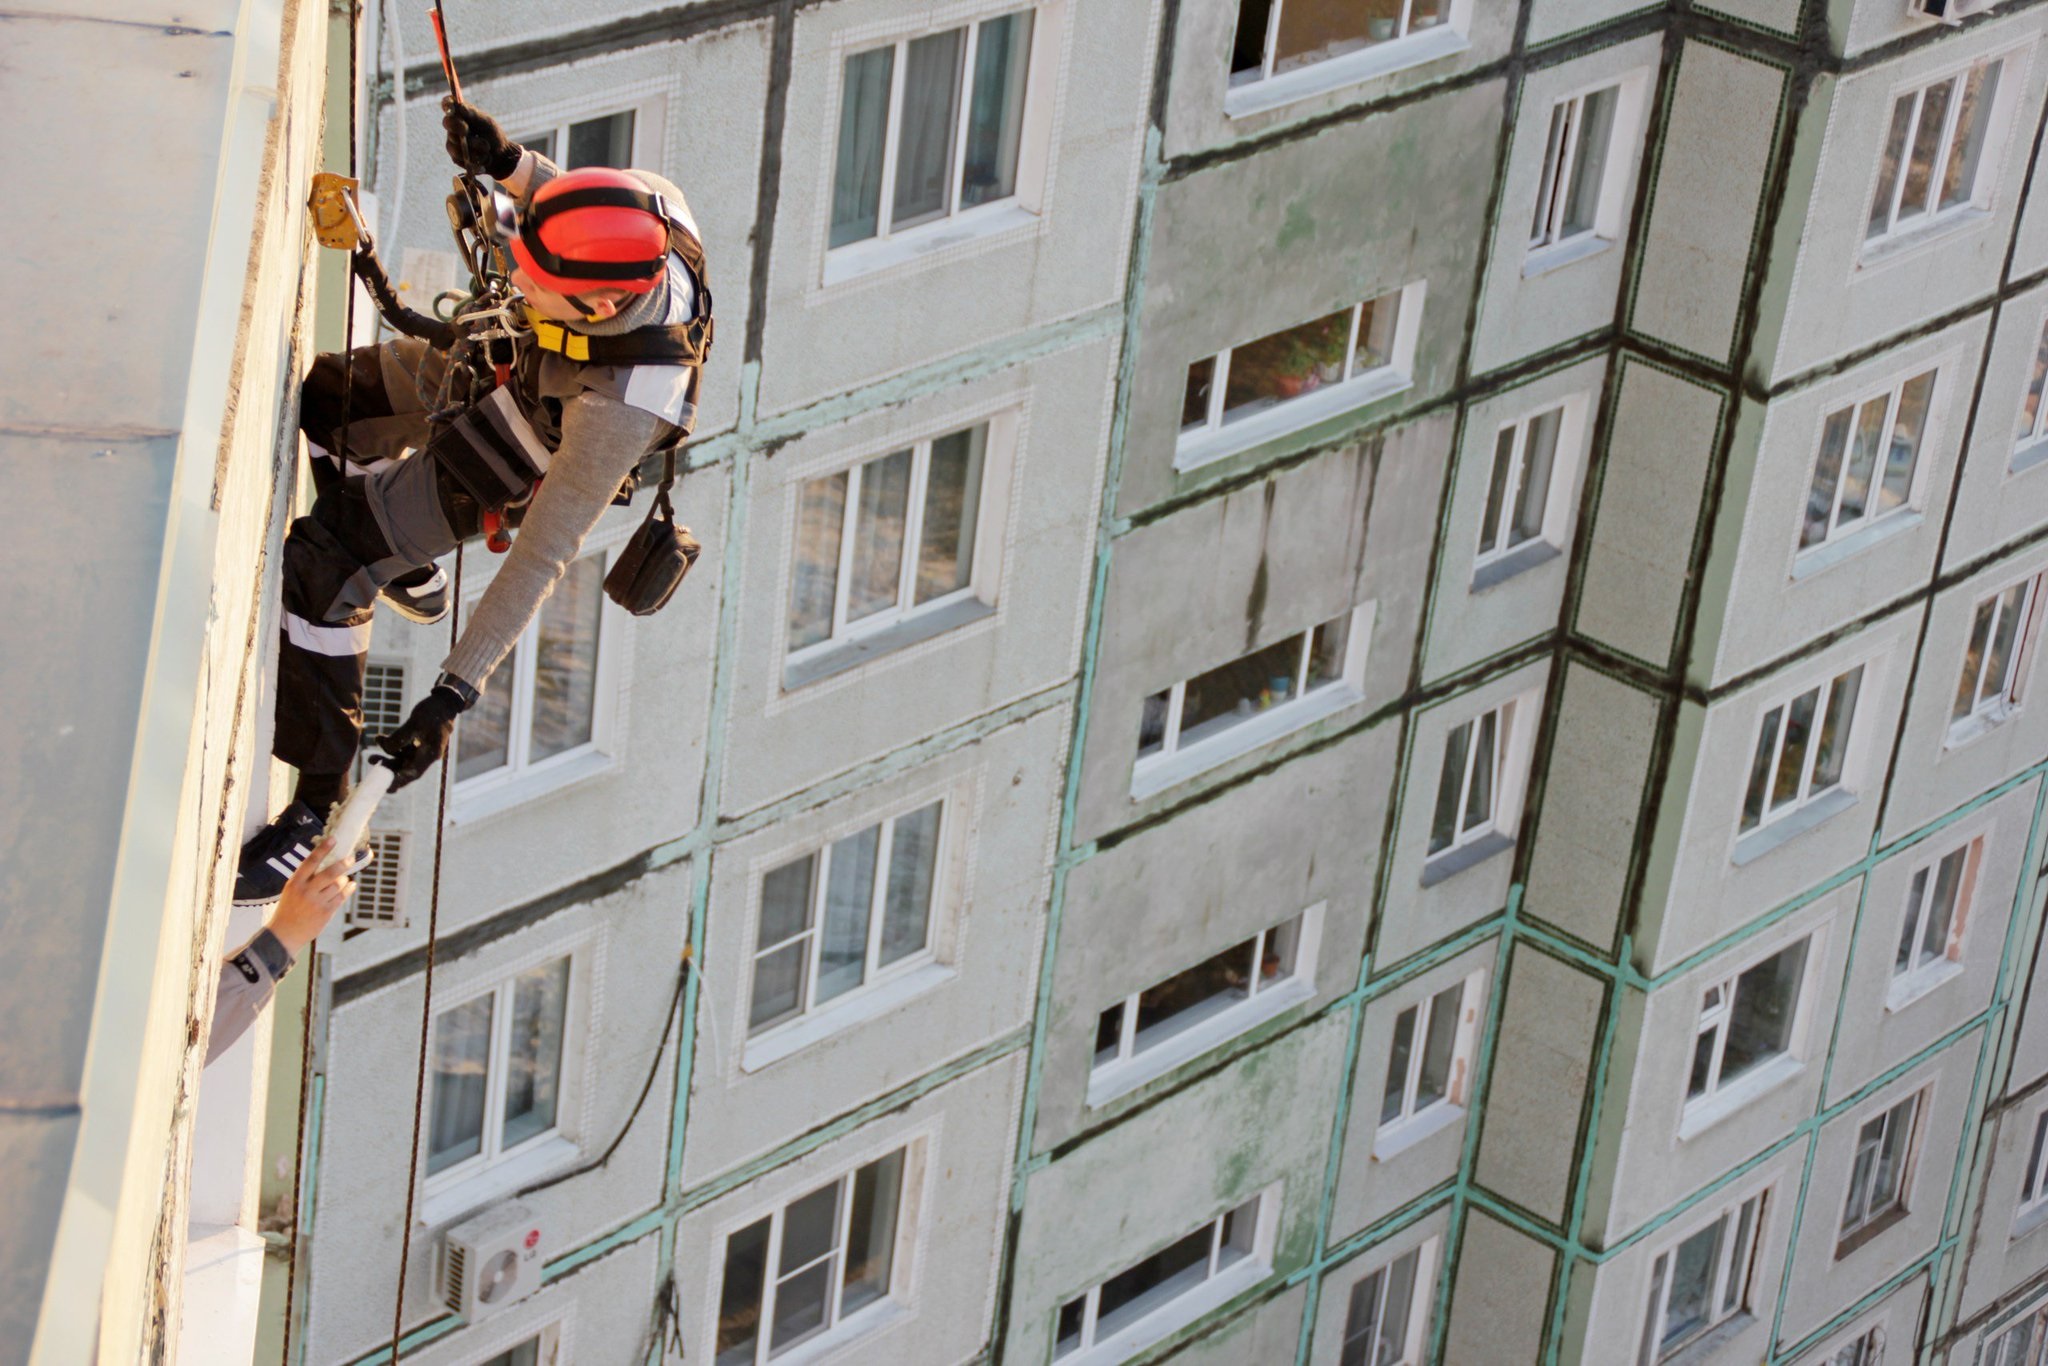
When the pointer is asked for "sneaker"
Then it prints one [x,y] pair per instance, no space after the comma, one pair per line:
[419,595]
[274,853]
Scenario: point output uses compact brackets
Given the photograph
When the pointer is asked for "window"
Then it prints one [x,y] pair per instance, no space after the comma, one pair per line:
[1430,1060]
[534,1351]
[1388,1314]
[1865,1349]
[2033,412]
[1275,37]
[544,703]
[1937,909]
[1879,1173]
[1869,455]
[2018,1344]
[1312,370]
[1472,801]
[1746,1020]
[1575,156]
[1988,688]
[1151,1031]
[1802,747]
[1139,1303]
[606,140]
[498,1070]
[1525,491]
[813,1264]
[890,539]
[2034,1181]
[1933,157]
[1703,1281]
[912,150]
[842,917]
[1265,692]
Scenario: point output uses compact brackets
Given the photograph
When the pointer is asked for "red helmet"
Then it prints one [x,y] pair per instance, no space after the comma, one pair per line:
[593,229]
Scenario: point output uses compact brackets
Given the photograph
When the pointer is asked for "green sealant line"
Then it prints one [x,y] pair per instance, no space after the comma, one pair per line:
[308,1193]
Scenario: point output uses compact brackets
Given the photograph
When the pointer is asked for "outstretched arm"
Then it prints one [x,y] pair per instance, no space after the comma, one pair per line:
[249,977]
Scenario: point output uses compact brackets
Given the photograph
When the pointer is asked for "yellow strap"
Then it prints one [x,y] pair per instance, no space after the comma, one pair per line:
[552,336]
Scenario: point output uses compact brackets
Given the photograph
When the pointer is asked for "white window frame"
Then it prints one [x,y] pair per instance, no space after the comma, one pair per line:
[474,1179]
[1422,1299]
[1976,205]
[552,1337]
[2030,447]
[520,778]
[2004,1345]
[1220,1285]
[1610,211]
[1395,1136]
[647,122]
[1132,1068]
[1505,560]
[1865,1349]
[1727,1275]
[1993,707]
[1921,977]
[1268,91]
[1809,806]
[1020,210]
[1175,763]
[893,628]
[1513,747]
[1846,538]
[2033,1195]
[1723,1097]
[816,1019]
[1216,440]
[910,1203]
[1874,1220]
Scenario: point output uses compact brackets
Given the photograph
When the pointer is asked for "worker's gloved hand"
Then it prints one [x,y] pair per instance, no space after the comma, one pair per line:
[475,141]
[422,740]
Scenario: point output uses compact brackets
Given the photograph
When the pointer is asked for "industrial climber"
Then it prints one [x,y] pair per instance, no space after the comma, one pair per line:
[603,372]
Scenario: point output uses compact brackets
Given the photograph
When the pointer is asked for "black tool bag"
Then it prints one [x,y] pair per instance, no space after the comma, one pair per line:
[491,450]
[645,575]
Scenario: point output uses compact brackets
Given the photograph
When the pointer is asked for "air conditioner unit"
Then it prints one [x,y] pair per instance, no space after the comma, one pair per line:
[492,1260]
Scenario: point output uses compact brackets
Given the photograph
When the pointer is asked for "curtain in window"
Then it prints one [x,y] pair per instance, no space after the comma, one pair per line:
[849,897]
[924,147]
[871,1233]
[913,858]
[462,1059]
[533,1061]
[820,520]
[878,532]
[863,126]
[945,560]
[779,973]
[565,660]
[995,115]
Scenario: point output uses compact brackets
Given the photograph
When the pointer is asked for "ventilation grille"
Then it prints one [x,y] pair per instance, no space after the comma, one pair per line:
[377,902]
[453,1262]
[383,698]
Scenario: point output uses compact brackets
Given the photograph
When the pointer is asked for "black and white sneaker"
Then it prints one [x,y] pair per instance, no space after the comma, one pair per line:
[419,595]
[274,853]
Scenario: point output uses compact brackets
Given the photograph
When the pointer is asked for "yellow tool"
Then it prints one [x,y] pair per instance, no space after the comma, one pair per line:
[337,222]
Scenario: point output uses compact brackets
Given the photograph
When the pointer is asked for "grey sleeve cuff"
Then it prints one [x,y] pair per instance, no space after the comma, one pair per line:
[269,953]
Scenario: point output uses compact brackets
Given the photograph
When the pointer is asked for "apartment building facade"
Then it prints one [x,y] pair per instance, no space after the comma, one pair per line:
[1360,693]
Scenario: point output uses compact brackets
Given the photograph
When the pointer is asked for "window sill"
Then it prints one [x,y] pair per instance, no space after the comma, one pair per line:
[969,227]
[1704,1114]
[1381,59]
[1558,255]
[864,1322]
[1174,1315]
[1910,243]
[222,1289]
[1831,553]
[1707,1346]
[1440,867]
[824,661]
[495,794]
[778,1043]
[1284,419]
[1914,985]
[1506,566]
[1870,1232]
[495,1182]
[2030,456]
[1762,840]
[1397,1138]
[1106,1083]
[1977,725]
[1155,773]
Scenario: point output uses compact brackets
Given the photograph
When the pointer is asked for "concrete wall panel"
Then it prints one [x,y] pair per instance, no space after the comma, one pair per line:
[1549,1030]
[1502,1291]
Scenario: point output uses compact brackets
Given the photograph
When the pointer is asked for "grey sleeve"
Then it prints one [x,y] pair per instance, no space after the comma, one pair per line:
[602,440]
[248,979]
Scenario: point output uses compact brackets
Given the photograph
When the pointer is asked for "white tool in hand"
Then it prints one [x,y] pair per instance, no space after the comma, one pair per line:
[349,827]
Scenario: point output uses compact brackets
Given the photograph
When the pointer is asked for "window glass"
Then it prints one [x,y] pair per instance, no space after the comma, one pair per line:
[1136,1292]
[606,141]
[1189,997]
[2033,421]
[461,1081]
[1934,149]
[1286,365]
[565,660]
[849,895]
[782,969]
[741,1295]
[1760,1024]
[1589,166]
[483,738]
[533,1061]
[913,861]
[995,119]
[952,499]
[863,130]
[871,1232]
[1225,695]
[929,117]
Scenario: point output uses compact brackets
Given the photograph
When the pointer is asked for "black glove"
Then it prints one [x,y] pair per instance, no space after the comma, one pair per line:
[422,740]
[475,141]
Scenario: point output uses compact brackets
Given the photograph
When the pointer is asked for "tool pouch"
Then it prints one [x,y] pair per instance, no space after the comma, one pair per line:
[491,450]
[652,563]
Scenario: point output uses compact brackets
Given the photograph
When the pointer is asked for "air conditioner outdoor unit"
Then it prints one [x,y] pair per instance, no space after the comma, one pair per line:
[492,1260]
